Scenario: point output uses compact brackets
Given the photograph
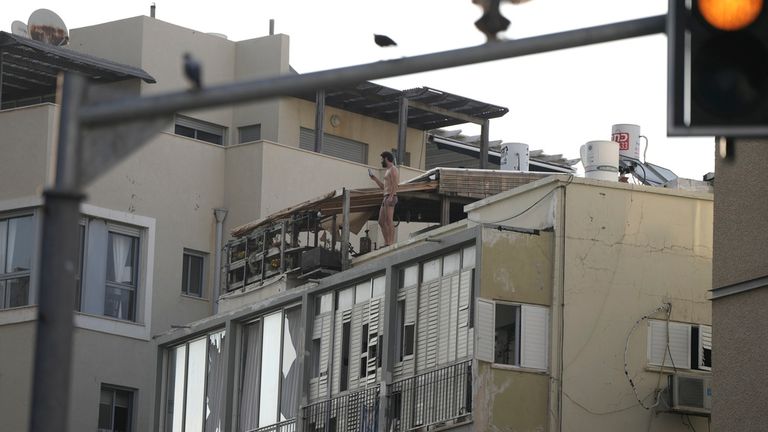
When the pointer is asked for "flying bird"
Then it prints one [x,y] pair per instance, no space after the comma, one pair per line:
[492,21]
[193,71]
[383,41]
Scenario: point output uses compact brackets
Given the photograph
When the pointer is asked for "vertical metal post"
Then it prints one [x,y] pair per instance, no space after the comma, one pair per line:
[304,356]
[345,233]
[319,117]
[232,334]
[445,211]
[2,54]
[58,264]
[402,130]
[388,355]
[484,144]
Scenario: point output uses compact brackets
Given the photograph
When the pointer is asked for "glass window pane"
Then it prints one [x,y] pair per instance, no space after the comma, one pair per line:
[177,363]
[270,369]
[118,303]
[451,263]
[105,410]
[250,133]
[324,304]
[193,274]
[209,137]
[121,258]
[289,387]
[378,287]
[410,276]
[214,396]
[17,291]
[468,259]
[249,398]
[430,270]
[18,247]
[184,131]
[195,386]
[345,299]
[507,336]
[185,274]
[363,292]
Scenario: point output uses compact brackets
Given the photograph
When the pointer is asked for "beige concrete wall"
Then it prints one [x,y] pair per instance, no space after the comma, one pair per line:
[16,360]
[378,134]
[509,400]
[169,177]
[517,267]
[26,143]
[627,251]
[740,341]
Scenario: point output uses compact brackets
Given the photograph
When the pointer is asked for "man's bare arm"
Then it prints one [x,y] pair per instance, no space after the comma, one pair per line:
[378,182]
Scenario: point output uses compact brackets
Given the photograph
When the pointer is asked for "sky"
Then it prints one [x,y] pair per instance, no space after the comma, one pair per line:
[557,101]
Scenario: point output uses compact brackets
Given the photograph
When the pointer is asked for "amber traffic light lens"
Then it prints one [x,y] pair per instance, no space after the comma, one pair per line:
[730,15]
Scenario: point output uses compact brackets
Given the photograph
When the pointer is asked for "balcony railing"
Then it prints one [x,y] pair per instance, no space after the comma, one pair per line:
[442,396]
[352,412]
[284,426]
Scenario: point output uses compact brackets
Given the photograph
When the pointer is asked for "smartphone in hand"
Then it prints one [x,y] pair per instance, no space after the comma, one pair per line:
[370,173]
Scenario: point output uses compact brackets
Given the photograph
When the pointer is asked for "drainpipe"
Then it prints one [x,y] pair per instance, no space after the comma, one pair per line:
[220,214]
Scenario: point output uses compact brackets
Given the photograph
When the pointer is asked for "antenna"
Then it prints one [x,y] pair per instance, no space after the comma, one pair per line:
[45,26]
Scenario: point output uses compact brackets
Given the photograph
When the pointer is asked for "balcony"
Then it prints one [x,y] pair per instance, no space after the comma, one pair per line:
[438,398]
[352,412]
[284,426]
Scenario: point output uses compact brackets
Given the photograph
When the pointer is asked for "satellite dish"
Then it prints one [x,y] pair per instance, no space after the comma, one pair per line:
[45,26]
[19,28]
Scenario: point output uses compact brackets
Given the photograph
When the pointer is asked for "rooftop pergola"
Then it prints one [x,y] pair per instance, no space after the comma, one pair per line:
[421,108]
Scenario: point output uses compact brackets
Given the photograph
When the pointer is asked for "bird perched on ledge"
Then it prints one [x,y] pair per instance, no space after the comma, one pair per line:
[492,21]
[193,71]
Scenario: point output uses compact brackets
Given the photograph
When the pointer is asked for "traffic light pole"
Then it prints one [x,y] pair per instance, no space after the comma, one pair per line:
[58,264]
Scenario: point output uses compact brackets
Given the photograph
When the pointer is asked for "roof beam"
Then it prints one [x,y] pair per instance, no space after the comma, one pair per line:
[445,112]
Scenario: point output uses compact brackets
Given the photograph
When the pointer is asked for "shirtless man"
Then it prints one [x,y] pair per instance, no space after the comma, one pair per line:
[387,210]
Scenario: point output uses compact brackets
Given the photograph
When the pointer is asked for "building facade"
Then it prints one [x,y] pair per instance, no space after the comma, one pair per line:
[563,305]
[152,227]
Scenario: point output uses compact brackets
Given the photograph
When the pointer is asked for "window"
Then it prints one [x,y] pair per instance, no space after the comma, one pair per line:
[679,345]
[345,341]
[249,133]
[199,130]
[16,246]
[196,384]
[324,304]
[115,410]
[315,358]
[192,276]
[409,276]
[109,269]
[513,334]
[335,146]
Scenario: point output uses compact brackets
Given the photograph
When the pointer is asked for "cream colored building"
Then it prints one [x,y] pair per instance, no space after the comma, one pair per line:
[149,233]
[532,314]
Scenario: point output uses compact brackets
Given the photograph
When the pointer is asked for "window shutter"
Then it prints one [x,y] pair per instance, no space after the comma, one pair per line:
[485,330]
[679,344]
[335,146]
[534,337]
[705,344]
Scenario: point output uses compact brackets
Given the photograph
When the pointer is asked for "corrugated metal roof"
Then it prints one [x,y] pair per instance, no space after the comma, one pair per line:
[30,67]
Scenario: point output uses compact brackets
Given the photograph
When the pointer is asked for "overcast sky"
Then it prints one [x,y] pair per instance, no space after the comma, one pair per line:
[557,101]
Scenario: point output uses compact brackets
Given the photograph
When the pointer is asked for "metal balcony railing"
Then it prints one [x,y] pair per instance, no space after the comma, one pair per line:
[352,412]
[442,396]
[284,426]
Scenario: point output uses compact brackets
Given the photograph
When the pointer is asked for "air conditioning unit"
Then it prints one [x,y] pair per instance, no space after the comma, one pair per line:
[691,394]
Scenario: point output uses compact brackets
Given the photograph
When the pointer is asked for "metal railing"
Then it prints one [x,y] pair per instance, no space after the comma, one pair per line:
[283,426]
[352,412]
[442,396]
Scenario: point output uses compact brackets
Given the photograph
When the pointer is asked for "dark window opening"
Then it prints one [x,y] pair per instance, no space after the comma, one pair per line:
[345,340]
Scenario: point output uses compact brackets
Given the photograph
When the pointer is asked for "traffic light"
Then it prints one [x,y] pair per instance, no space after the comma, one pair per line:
[718,68]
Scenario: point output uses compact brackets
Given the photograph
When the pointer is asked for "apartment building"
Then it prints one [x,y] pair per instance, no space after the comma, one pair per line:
[564,304]
[153,226]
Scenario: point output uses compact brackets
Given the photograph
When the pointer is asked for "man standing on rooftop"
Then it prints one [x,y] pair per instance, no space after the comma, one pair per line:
[387,210]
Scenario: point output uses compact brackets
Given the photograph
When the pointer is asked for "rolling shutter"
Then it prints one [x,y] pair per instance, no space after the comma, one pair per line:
[534,337]
[335,146]
[485,330]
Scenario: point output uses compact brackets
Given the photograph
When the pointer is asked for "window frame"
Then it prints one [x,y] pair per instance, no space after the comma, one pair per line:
[185,278]
[131,406]
[30,274]
[135,234]
[485,341]
[199,127]
[694,341]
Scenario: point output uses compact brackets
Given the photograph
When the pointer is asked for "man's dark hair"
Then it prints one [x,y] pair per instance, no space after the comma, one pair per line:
[388,156]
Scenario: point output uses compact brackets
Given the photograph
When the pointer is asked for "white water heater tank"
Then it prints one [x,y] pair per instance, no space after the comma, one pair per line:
[601,160]
[514,157]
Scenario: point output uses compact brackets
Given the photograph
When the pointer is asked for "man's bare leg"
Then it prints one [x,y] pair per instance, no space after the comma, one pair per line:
[383,224]
[391,224]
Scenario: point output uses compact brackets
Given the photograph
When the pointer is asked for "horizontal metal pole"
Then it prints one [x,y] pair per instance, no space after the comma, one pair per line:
[289,85]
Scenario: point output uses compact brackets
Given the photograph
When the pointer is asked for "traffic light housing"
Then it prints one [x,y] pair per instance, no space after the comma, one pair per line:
[718,68]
